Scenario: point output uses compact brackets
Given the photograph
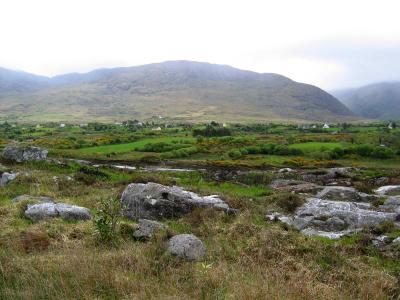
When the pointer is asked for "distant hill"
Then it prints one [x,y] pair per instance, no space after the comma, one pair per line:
[184,90]
[374,101]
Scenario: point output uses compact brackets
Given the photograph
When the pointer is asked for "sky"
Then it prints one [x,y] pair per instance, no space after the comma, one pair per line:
[331,44]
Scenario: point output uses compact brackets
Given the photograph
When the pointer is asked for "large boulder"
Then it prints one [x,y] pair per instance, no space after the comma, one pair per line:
[187,246]
[155,201]
[7,177]
[21,153]
[147,228]
[335,218]
[339,193]
[37,212]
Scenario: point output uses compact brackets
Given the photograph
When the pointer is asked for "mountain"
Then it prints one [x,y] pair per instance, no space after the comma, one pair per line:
[184,90]
[12,82]
[374,101]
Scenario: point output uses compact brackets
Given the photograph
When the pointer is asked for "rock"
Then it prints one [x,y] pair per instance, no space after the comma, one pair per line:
[302,188]
[40,199]
[283,183]
[155,201]
[391,204]
[380,181]
[21,153]
[396,241]
[380,241]
[7,177]
[37,212]
[339,193]
[147,228]
[285,170]
[328,175]
[336,217]
[187,246]
[388,190]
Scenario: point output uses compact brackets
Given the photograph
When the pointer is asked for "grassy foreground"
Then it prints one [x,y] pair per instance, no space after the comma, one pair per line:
[247,256]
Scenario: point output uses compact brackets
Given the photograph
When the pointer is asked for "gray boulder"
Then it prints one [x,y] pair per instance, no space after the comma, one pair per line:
[155,201]
[388,190]
[7,177]
[147,228]
[284,183]
[396,241]
[339,218]
[21,153]
[339,193]
[39,199]
[187,246]
[391,204]
[37,212]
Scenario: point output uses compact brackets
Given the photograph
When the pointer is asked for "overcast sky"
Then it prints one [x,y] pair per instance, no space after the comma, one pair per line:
[332,44]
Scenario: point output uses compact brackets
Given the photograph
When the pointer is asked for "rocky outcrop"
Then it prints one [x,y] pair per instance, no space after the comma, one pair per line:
[156,202]
[187,246]
[334,219]
[37,212]
[7,177]
[21,153]
[147,228]
[327,176]
[388,190]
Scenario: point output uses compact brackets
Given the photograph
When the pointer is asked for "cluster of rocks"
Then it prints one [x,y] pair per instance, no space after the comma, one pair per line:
[186,246]
[335,211]
[46,208]
[152,201]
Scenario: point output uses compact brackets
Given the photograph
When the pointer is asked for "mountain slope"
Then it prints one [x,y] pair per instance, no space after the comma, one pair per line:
[377,101]
[177,89]
[16,82]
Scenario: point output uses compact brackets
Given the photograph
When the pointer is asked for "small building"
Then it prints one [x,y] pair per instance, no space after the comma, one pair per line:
[326,126]
[62,125]
[390,126]
[83,125]
[156,129]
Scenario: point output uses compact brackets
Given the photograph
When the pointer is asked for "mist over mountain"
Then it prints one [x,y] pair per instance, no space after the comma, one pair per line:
[374,101]
[185,90]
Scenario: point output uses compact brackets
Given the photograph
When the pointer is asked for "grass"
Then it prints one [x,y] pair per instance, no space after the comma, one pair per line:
[128,147]
[316,146]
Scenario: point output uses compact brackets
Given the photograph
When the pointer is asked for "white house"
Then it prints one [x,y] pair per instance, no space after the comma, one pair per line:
[156,129]
[62,125]
[326,126]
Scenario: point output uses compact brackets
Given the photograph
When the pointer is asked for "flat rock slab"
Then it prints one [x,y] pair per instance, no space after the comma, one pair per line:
[39,199]
[154,201]
[37,212]
[388,190]
[187,246]
[339,193]
[147,228]
[21,153]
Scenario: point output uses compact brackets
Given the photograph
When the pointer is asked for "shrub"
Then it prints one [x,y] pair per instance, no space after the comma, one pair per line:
[107,218]
[288,202]
[384,227]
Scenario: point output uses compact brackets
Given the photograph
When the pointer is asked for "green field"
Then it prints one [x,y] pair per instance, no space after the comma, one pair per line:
[316,146]
[128,147]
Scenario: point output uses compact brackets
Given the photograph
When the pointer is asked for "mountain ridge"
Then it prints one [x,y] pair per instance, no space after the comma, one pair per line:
[380,100]
[181,89]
